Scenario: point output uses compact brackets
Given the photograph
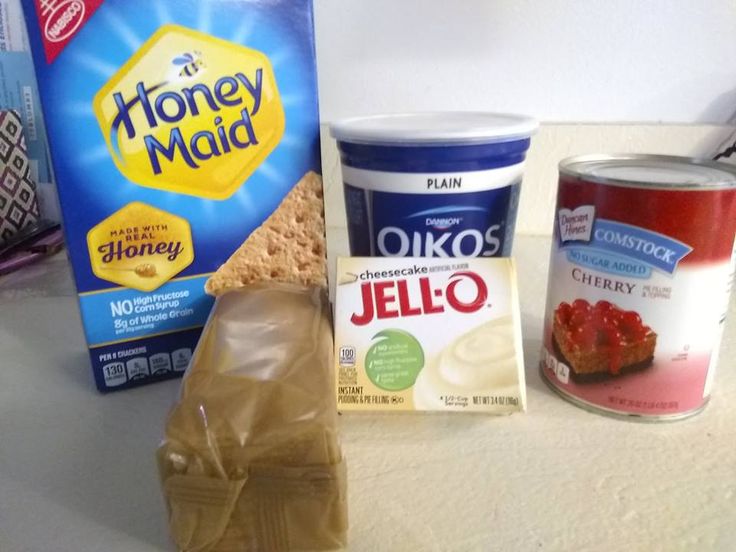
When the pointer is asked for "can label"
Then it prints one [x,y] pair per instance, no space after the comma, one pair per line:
[639,283]
[458,214]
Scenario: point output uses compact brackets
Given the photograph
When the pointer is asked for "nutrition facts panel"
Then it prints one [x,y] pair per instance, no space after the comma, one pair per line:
[139,365]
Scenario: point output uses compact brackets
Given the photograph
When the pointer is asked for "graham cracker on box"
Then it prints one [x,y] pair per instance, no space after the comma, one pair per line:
[288,247]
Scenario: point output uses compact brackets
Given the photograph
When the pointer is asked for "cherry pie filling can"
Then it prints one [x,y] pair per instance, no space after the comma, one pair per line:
[641,267]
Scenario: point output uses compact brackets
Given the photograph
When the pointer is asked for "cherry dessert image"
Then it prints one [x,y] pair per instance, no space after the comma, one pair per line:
[601,340]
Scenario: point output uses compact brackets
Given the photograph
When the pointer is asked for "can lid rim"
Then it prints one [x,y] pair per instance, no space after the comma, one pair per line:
[576,166]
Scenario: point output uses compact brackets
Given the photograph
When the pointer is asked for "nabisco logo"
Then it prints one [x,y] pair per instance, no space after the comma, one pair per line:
[62,18]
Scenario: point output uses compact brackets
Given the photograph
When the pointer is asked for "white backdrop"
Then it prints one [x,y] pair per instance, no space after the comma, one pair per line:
[560,60]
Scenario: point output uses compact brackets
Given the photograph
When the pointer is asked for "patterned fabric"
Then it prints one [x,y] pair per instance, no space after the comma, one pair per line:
[18,201]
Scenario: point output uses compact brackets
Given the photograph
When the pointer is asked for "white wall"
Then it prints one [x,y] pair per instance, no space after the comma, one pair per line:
[560,60]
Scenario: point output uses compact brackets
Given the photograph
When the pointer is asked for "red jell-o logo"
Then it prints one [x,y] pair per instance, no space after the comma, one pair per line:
[393,298]
[61,20]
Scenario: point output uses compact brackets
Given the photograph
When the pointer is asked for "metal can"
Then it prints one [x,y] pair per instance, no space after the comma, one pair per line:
[640,273]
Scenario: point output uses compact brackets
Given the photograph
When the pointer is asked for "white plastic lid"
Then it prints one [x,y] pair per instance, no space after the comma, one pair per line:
[655,171]
[451,127]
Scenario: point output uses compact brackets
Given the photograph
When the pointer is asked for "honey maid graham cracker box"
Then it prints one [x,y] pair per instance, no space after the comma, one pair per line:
[176,128]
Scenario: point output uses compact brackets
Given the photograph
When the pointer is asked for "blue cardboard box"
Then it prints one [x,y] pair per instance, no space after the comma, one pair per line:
[176,127]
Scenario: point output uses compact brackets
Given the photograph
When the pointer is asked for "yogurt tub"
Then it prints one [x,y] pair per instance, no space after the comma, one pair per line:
[433,184]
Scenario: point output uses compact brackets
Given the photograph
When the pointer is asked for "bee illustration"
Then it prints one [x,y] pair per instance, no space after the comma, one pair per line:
[191,62]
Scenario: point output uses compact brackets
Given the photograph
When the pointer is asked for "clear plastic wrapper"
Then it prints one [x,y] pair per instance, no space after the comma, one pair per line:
[251,459]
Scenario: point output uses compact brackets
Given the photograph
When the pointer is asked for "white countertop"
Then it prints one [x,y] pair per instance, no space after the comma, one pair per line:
[77,470]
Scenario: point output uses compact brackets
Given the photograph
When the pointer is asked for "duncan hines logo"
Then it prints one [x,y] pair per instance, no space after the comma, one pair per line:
[190,113]
[576,224]
[464,292]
